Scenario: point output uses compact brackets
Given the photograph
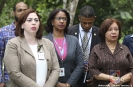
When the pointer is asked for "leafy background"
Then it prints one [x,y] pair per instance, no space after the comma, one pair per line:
[120,9]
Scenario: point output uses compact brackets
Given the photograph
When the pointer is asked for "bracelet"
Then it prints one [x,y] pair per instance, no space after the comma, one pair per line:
[111,79]
[115,80]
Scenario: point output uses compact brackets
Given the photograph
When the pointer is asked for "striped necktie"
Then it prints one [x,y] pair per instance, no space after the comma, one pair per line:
[85,46]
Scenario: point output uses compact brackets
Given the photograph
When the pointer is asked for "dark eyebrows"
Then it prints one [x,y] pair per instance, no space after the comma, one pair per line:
[21,9]
[87,22]
[32,18]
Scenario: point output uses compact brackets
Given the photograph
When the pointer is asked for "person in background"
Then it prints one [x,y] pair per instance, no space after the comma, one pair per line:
[128,42]
[68,50]
[6,33]
[110,62]
[31,60]
[85,28]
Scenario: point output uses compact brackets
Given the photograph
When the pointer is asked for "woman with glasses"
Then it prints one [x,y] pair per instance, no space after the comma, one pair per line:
[67,47]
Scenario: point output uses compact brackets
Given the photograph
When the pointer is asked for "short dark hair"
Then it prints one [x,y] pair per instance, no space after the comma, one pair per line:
[49,26]
[14,7]
[87,11]
[105,26]
[20,32]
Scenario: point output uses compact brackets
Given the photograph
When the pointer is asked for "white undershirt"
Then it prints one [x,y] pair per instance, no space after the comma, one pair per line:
[41,67]
[81,35]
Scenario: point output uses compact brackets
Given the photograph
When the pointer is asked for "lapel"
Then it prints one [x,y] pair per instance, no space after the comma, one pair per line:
[43,48]
[68,44]
[76,31]
[50,37]
[25,46]
[117,49]
[94,36]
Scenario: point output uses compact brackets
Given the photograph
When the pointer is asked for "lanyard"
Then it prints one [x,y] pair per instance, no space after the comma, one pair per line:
[82,42]
[61,51]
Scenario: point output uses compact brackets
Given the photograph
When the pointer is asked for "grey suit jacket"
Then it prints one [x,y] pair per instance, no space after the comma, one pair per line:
[73,63]
[21,65]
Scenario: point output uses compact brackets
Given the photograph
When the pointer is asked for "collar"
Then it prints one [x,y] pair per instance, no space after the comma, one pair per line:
[23,40]
[131,36]
[25,45]
[82,30]
[13,26]
[104,46]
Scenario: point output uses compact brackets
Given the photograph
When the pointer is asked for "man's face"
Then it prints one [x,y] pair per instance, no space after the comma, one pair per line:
[20,8]
[86,23]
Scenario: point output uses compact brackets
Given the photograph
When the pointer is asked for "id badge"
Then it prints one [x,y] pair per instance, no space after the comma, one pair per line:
[115,73]
[62,72]
[41,56]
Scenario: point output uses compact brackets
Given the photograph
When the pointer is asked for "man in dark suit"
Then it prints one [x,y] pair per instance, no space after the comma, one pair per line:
[128,41]
[86,18]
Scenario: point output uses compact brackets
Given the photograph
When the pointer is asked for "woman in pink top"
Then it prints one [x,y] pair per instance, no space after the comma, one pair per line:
[68,50]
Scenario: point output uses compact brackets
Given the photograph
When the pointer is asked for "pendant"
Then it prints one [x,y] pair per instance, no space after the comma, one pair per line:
[59,47]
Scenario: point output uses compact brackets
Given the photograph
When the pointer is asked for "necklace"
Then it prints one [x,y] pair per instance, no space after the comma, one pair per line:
[60,48]
[59,43]
[112,49]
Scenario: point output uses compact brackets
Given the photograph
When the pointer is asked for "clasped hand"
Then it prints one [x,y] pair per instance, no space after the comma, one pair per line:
[115,82]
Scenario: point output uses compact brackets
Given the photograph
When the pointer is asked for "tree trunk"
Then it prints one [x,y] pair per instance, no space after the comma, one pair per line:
[71,6]
[2,3]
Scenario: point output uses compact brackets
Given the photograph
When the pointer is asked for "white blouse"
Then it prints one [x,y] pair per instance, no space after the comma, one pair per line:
[41,67]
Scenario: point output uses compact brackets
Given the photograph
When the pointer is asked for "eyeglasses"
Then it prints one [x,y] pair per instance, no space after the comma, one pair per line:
[59,18]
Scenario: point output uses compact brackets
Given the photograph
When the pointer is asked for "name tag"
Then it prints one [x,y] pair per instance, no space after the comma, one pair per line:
[41,56]
[62,72]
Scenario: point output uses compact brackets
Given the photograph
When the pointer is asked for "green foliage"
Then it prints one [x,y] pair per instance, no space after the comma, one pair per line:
[123,8]
[44,8]
[120,9]
[6,16]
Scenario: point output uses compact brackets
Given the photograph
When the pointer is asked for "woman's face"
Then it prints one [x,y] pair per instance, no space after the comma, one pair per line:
[60,21]
[112,33]
[31,24]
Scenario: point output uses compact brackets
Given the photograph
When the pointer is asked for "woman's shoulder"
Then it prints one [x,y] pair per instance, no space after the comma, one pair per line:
[71,37]
[123,46]
[128,36]
[99,46]
[46,40]
[14,40]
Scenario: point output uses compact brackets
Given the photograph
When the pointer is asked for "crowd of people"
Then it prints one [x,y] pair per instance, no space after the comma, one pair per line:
[80,55]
